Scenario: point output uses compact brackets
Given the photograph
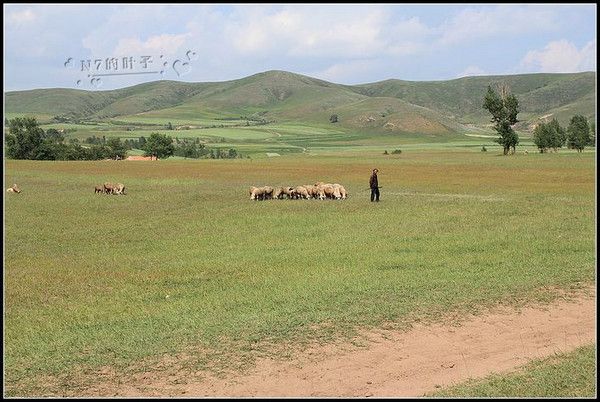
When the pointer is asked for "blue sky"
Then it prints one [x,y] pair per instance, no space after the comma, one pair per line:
[44,45]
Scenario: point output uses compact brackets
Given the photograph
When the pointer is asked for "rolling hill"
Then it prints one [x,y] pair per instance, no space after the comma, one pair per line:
[434,107]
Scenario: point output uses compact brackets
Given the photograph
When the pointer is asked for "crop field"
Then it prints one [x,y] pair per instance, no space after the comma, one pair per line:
[185,266]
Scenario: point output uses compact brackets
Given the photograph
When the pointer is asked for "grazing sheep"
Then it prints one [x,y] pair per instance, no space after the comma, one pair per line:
[98,189]
[289,192]
[109,188]
[255,193]
[261,193]
[280,192]
[336,191]
[13,189]
[326,191]
[310,190]
[299,192]
[343,192]
[119,189]
[268,193]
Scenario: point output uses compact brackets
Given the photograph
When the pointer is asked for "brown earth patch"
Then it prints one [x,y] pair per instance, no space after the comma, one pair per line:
[139,158]
[389,363]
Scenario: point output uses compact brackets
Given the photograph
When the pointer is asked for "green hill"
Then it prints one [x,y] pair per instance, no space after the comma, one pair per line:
[461,99]
[388,106]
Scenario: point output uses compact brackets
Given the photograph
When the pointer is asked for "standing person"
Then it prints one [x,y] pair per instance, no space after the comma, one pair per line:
[374,184]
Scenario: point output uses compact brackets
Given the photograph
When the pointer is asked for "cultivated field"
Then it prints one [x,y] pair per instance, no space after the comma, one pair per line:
[185,268]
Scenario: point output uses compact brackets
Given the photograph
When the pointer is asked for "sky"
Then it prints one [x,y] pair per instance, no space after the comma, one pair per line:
[108,46]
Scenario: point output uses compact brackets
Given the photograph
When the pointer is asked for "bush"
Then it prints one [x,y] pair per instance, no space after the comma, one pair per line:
[396,151]
[483,149]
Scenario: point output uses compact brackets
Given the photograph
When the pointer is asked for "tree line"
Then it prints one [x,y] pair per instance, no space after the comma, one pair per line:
[27,140]
[504,108]
[578,135]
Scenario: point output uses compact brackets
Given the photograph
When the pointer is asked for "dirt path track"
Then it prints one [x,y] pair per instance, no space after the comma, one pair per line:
[403,364]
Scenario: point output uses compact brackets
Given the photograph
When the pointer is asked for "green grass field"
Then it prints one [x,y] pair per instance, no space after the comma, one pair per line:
[568,375]
[187,265]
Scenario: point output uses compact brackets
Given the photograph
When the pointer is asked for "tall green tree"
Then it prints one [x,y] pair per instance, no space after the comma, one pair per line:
[578,132]
[24,138]
[159,145]
[549,136]
[541,137]
[558,135]
[117,148]
[504,108]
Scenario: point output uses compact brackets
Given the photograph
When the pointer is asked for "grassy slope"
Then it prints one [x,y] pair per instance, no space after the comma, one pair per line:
[461,98]
[291,97]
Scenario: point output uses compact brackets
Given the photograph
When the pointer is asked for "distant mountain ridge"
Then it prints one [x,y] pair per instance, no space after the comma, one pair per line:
[390,105]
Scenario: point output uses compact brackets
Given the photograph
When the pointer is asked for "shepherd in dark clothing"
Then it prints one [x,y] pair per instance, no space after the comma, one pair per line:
[374,186]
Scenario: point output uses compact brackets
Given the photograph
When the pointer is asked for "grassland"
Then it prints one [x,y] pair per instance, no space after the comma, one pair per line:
[567,375]
[187,265]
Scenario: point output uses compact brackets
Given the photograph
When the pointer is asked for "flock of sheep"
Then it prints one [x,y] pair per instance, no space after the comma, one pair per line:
[110,188]
[318,190]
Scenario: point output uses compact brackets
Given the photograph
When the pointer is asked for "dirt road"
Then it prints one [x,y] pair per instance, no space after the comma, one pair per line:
[399,364]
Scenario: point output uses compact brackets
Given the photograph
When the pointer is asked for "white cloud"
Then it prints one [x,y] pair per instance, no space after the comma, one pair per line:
[353,32]
[472,24]
[19,18]
[561,57]
[167,44]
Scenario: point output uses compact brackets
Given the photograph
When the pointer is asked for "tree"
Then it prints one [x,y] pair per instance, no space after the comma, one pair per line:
[592,142]
[504,108]
[54,135]
[333,118]
[558,135]
[24,138]
[232,153]
[190,150]
[578,133]
[169,126]
[159,145]
[97,152]
[117,148]
[541,137]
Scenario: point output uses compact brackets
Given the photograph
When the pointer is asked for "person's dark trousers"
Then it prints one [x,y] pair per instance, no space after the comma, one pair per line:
[375,194]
